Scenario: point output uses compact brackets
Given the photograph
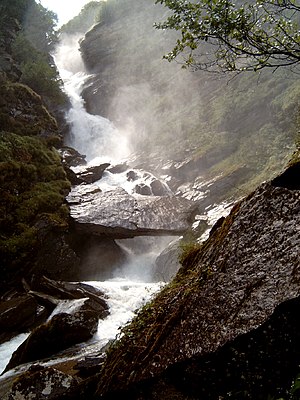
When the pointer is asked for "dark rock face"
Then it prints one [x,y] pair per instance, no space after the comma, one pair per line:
[239,291]
[61,332]
[121,215]
[20,314]
[143,189]
[99,257]
[72,291]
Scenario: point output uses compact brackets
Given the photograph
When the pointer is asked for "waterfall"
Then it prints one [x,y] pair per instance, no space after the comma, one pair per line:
[98,139]
[92,135]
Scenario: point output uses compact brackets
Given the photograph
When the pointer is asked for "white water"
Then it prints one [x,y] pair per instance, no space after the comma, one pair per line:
[100,141]
[92,135]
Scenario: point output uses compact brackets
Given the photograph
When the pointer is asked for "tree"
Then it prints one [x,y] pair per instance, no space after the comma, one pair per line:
[39,26]
[220,35]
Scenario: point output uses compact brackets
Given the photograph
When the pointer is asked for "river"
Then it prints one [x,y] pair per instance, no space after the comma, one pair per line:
[98,139]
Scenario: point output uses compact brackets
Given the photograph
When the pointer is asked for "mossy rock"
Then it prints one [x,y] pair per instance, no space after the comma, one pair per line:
[33,186]
[22,112]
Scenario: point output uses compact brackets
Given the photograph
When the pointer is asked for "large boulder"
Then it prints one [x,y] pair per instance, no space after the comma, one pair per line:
[121,215]
[92,174]
[227,325]
[62,331]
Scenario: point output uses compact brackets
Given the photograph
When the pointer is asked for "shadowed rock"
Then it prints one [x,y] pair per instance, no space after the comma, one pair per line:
[226,326]
[20,314]
[121,215]
[49,291]
[61,332]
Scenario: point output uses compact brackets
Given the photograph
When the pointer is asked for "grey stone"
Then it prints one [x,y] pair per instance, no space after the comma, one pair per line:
[121,215]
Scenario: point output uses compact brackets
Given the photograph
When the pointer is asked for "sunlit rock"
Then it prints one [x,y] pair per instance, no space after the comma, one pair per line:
[121,215]
[93,173]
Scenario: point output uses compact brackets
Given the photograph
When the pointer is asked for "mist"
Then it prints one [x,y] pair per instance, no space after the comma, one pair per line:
[227,123]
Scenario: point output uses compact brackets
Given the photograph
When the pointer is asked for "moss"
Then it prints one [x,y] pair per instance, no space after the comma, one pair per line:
[33,184]
[22,112]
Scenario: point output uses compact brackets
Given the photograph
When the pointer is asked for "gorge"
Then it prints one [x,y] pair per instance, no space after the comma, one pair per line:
[143,161]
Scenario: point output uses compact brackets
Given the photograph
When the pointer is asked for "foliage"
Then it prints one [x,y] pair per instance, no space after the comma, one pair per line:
[22,112]
[14,9]
[39,27]
[221,35]
[37,70]
[32,184]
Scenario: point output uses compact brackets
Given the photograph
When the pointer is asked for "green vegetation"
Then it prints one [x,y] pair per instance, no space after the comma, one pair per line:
[33,187]
[37,72]
[31,46]
[226,36]
[22,112]
[33,184]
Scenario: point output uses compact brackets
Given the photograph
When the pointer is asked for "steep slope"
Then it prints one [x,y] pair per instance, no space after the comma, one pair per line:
[241,128]
[33,185]
[226,327]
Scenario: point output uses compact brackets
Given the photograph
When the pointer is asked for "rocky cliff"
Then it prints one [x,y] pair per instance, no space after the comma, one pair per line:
[34,216]
[226,326]
[186,124]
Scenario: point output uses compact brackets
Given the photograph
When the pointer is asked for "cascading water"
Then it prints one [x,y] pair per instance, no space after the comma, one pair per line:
[98,139]
[92,135]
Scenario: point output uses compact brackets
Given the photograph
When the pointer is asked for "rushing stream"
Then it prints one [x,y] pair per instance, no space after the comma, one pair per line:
[98,139]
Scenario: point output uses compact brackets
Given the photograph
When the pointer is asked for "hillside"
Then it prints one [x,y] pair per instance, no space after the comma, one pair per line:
[241,127]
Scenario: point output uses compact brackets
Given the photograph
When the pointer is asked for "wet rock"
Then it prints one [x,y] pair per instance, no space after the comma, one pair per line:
[118,169]
[89,366]
[19,314]
[158,188]
[143,189]
[92,174]
[61,332]
[44,383]
[227,324]
[67,290]
[121,215]
[132,176]
[72,157]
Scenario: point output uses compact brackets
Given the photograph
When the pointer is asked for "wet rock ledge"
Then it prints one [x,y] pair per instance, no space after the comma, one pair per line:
[226,326]
[121,215]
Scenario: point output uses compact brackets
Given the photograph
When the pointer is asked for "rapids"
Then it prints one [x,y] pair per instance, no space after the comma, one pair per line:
[97,138]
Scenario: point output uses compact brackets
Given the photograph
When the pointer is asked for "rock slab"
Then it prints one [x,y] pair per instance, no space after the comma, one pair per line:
[121,215]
